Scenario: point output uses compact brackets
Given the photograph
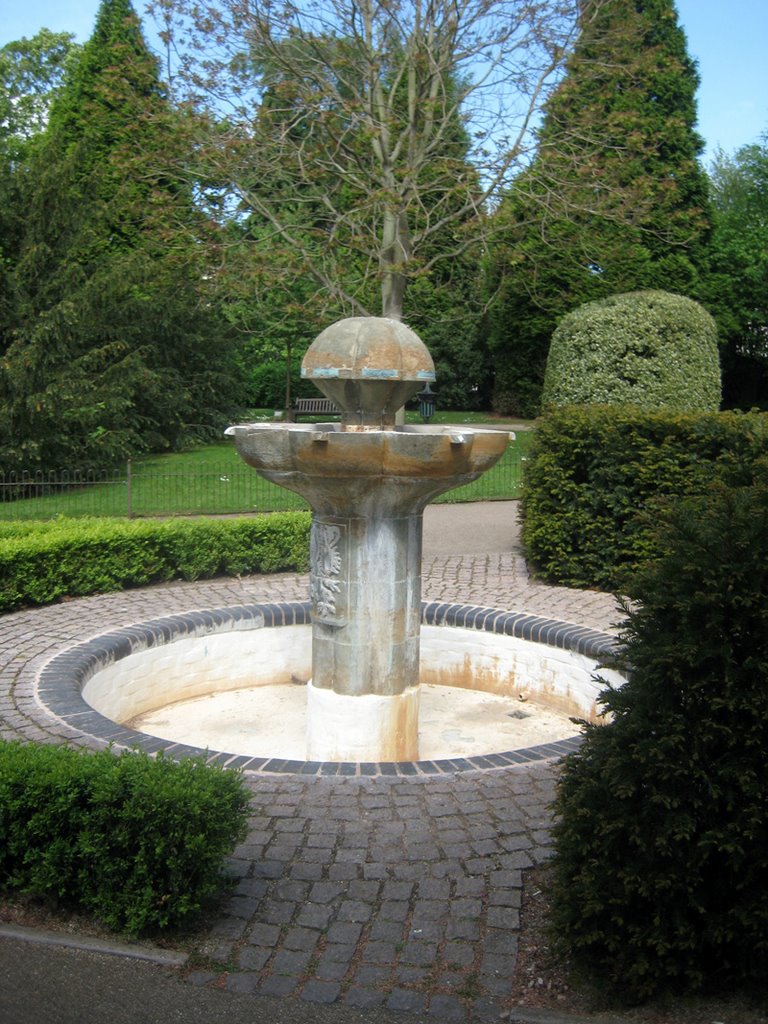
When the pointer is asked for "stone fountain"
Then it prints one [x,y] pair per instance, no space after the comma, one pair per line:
[367,481]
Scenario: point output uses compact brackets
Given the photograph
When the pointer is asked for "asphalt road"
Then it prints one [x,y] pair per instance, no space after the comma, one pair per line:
[45,984]
[470,528]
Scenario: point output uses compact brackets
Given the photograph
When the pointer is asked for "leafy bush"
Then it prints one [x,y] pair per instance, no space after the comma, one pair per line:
[265,381]
[661,866]
[593,471]
[136,841]
[651,349]
[43,562]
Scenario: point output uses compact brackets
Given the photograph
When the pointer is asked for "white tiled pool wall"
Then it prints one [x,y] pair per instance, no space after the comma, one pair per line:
[231,660]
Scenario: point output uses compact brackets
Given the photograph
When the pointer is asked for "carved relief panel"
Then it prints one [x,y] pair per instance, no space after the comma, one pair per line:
[328,582]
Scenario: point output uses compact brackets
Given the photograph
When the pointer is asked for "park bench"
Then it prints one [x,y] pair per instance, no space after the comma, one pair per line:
[313,407]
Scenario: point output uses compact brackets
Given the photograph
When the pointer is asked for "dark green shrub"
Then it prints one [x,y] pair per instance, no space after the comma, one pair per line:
[651,349]
[41,563]
[661,866]
[593,471]
[137,841]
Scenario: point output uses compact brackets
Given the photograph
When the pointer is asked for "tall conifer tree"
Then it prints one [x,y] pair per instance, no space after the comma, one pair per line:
[116,349]
[615,199]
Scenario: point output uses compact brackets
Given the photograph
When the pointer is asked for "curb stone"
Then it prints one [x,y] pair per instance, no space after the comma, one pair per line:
[110,947]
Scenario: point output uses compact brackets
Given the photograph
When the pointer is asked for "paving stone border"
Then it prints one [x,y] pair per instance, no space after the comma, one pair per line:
[61,681]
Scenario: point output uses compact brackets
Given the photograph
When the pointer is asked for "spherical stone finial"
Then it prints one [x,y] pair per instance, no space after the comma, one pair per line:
[368,366]
[368,347]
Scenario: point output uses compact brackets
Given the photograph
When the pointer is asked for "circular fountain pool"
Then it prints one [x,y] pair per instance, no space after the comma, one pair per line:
[497,687]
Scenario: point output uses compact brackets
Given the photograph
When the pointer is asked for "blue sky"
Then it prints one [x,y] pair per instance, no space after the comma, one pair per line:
[728,40]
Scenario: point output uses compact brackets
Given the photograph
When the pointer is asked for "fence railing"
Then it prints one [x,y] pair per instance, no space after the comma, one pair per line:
[214,488]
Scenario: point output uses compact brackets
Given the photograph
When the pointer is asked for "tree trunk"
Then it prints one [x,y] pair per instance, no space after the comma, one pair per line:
[288,396]
[395,253]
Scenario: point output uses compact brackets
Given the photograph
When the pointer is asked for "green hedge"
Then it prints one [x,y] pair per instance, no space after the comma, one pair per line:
[43,562]
[139,842]
[594,475]
[661,840]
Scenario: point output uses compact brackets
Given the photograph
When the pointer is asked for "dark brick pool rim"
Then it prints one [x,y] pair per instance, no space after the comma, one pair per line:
[62,680]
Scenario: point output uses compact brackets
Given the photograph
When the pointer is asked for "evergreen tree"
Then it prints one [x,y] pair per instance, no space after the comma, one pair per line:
[661,841]
[116,348]
[615,199]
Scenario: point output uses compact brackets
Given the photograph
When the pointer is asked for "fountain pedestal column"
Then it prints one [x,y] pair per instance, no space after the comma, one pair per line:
[363,699]
[367,482]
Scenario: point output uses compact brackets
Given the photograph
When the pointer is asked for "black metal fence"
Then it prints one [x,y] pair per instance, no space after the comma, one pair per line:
[202,488]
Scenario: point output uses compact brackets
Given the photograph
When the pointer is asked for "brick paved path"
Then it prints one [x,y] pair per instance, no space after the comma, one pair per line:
[377,891]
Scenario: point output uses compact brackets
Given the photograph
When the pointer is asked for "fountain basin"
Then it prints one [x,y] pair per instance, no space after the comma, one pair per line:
[104,684]
[381,472]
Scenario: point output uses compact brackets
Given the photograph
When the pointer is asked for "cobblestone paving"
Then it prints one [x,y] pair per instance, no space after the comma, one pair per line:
[503,581]
[377,891]
[384,892]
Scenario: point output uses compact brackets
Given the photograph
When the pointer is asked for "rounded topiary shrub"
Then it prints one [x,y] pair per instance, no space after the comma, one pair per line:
[661,840]
[650,349]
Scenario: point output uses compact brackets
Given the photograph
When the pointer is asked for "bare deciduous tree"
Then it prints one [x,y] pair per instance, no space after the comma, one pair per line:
[367,138]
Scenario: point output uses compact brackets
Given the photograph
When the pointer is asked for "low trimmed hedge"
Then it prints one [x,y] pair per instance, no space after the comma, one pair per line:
[595,474]
[43,562]
[139,842]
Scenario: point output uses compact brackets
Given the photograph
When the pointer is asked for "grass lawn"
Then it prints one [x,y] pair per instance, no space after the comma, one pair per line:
[214,480]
